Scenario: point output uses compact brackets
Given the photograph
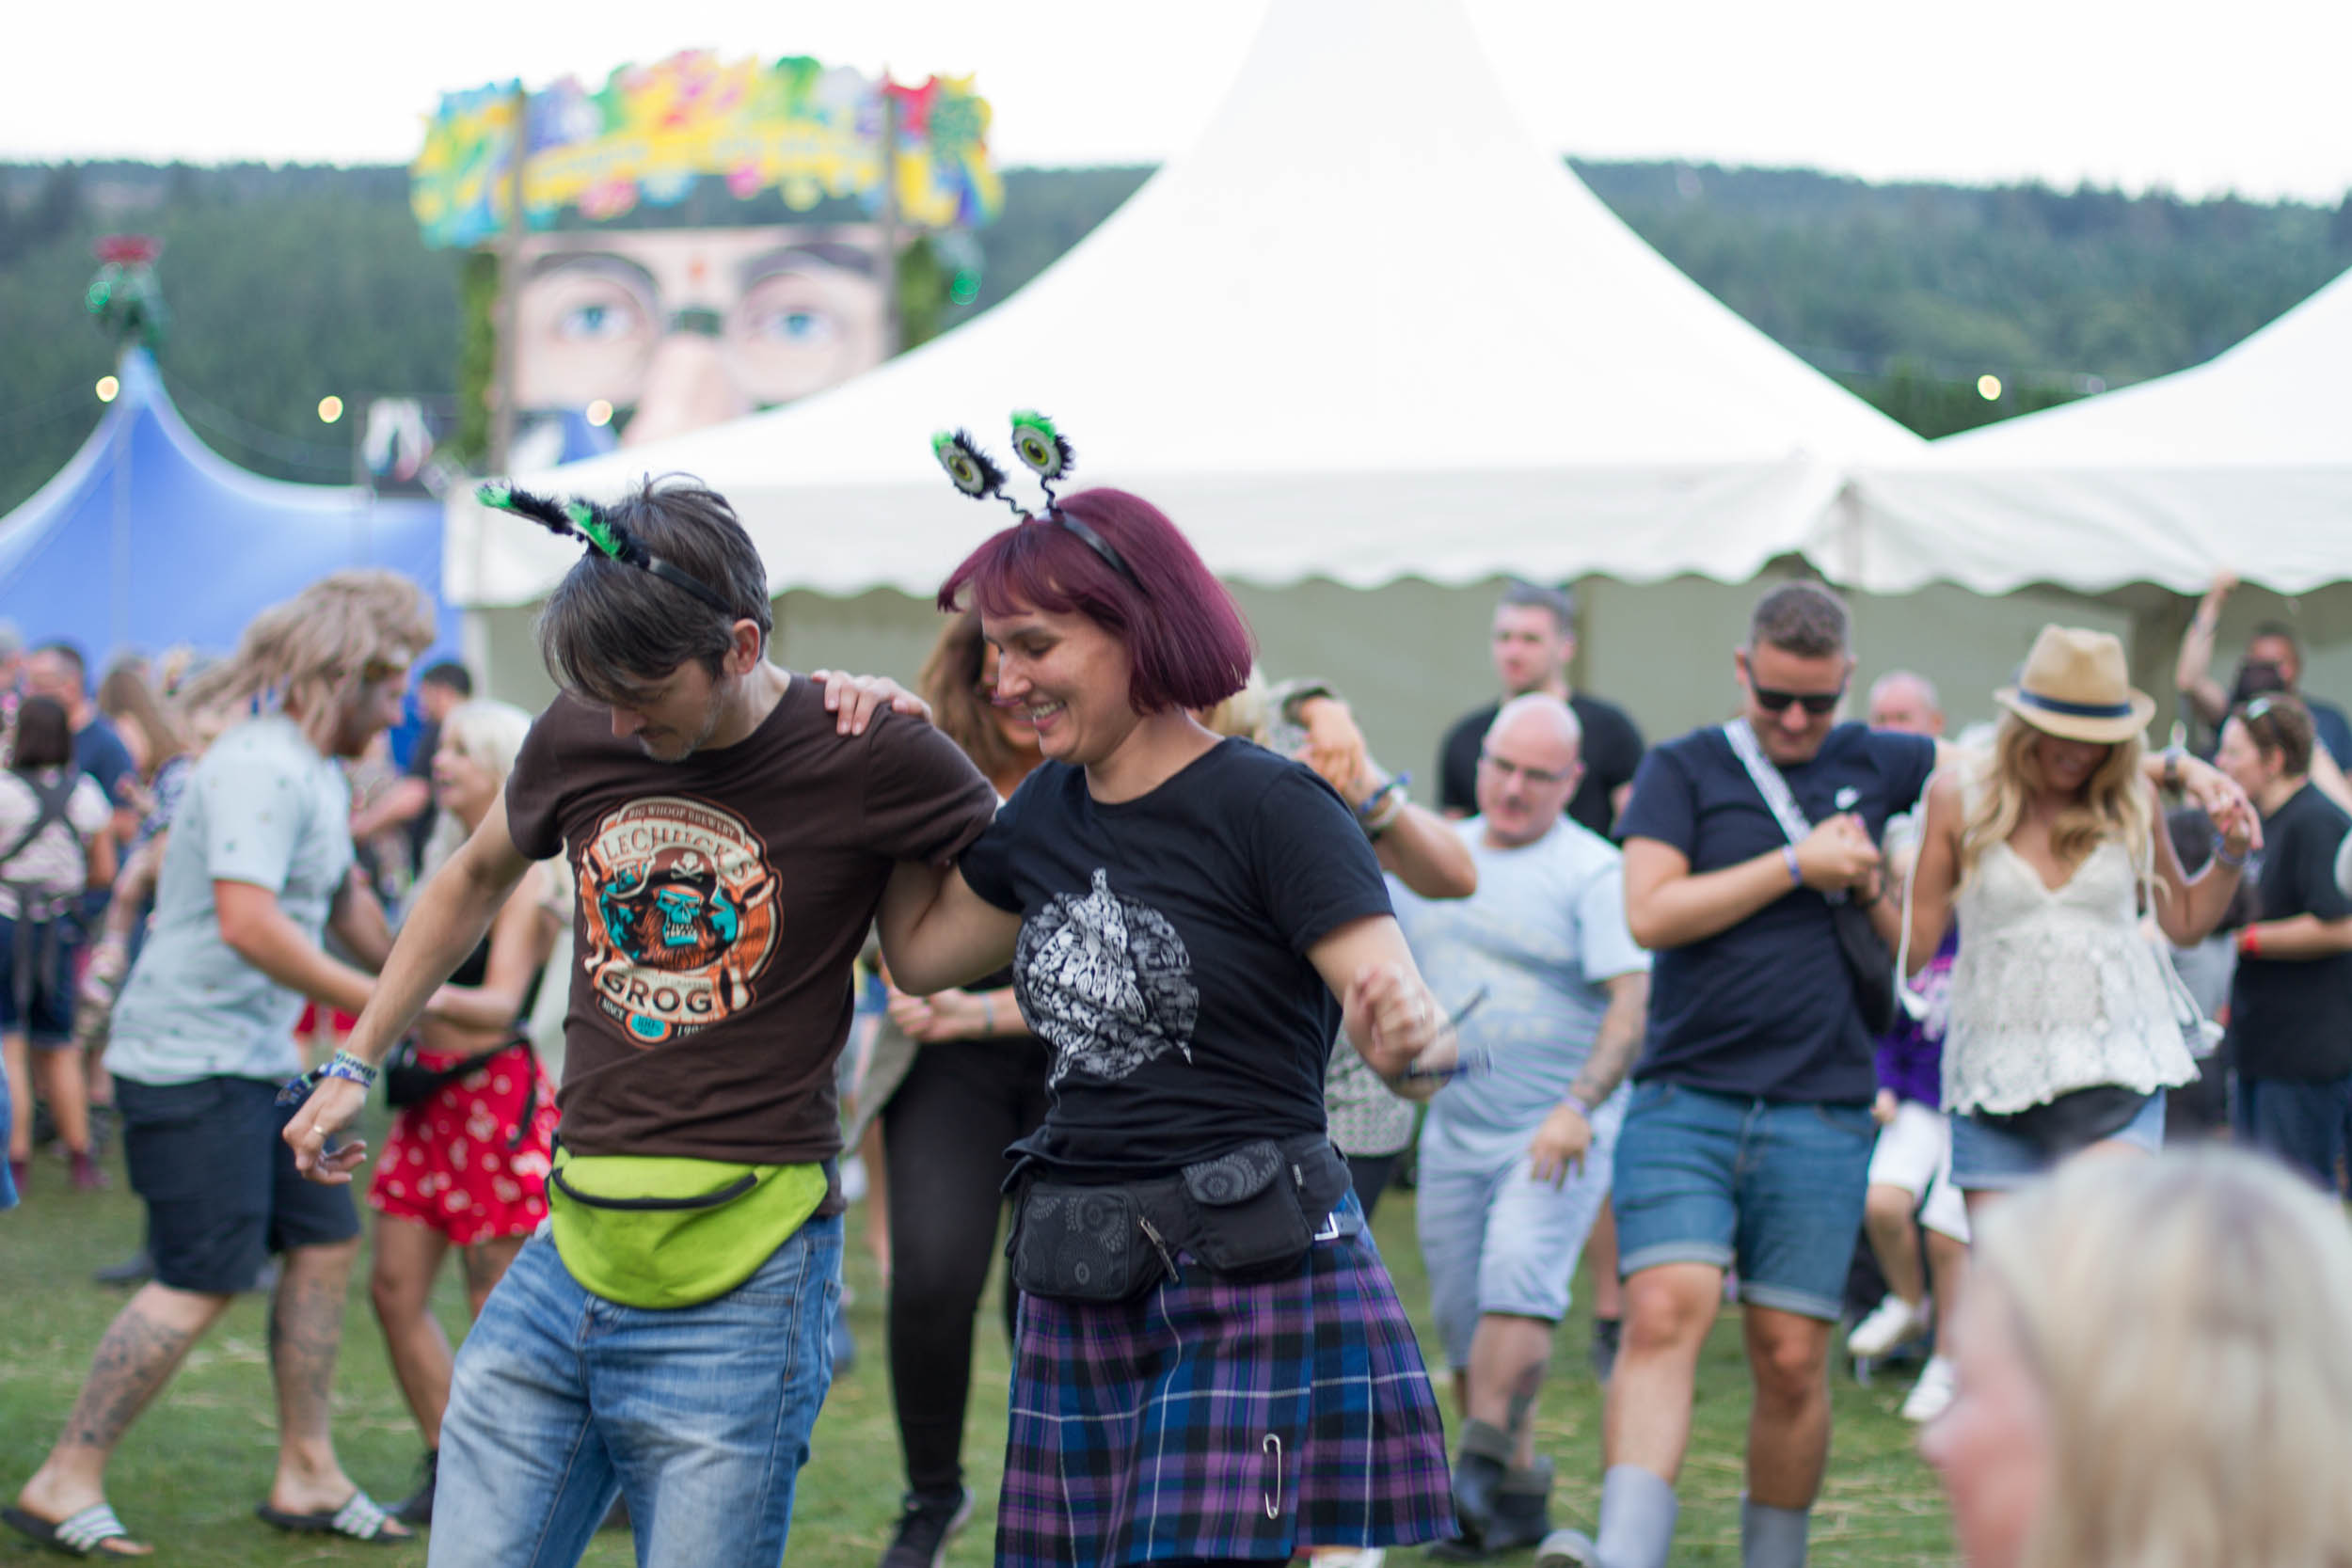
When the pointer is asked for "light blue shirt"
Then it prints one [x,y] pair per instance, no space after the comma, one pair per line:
[1543,933]
[262,807]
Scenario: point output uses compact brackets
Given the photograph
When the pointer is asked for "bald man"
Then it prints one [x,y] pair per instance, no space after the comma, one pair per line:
[1514,1159]
[1906,703]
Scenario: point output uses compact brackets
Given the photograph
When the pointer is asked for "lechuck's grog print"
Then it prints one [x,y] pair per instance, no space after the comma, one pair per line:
[676,895]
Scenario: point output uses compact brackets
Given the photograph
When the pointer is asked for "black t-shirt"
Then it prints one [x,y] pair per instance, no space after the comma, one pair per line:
[1163,954]
[1610,751]
[1765,1009]
[2292,1017]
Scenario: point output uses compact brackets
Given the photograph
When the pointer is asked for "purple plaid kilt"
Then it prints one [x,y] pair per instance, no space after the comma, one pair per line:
[1206,1419]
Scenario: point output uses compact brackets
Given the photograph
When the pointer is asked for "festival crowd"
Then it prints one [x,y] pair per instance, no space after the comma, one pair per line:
[1108,952]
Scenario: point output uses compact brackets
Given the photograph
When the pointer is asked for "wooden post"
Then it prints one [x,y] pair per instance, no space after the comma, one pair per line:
[509,317]
[894,327]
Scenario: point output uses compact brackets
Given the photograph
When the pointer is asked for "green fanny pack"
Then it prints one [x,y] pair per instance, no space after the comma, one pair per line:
[661,1233]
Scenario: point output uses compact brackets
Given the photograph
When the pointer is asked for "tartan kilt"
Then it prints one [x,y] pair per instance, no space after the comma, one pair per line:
[1212,1420]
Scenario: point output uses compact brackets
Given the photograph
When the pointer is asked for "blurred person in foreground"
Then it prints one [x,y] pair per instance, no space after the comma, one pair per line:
[259,869]
[2156,1367]
[1515,1161]
[2291,999]
[730,834]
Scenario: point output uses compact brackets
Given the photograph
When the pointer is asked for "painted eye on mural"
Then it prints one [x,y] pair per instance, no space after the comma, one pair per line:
[597,322]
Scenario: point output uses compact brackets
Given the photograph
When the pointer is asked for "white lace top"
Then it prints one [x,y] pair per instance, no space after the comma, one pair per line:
[2056,990]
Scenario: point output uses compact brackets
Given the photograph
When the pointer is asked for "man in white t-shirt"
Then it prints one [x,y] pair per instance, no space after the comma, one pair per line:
[259,867]
[1515,1158]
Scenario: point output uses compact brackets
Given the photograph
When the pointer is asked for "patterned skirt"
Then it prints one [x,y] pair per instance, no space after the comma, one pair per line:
[454,1163]
[1209,1419]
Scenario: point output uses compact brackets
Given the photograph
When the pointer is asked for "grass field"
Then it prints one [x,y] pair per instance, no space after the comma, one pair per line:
[194,1467]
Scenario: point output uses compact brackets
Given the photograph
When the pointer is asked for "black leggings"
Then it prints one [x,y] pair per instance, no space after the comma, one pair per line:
[944,1137]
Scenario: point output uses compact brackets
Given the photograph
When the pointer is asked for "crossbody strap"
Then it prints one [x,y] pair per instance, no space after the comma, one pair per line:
[1768,781]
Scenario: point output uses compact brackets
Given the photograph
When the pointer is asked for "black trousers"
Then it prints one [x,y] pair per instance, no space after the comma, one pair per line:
[945,1133]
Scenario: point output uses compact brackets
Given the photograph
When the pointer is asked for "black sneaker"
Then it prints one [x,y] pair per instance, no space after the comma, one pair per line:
[1606,1333]
[416,1508]
[926,1526]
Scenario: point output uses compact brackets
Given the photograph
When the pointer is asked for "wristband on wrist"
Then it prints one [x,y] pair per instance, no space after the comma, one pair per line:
[988,1013]
[1796,870]
[2234,863]
[2249,941]
[344,1065]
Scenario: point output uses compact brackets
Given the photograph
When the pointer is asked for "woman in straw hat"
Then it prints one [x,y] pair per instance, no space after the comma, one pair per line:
[2066,1025]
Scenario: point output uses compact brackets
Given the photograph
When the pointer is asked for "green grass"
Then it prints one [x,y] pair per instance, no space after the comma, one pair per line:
[193,1468]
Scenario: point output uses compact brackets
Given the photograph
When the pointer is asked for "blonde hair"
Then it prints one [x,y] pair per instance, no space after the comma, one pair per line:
[1248,713]
[2113,806]
[307,655]
[2189,1321]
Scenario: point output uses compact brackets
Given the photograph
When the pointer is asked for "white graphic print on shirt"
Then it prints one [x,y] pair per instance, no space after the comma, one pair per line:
[1106,982]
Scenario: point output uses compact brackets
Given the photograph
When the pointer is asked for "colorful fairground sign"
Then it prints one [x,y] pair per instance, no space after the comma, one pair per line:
[793,126]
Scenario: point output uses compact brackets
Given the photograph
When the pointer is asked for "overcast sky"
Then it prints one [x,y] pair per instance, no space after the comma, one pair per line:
[2250,95]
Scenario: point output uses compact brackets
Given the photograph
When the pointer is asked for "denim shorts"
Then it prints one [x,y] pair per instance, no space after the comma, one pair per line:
[1496,1239]
[1773,1189]
[1986,1158]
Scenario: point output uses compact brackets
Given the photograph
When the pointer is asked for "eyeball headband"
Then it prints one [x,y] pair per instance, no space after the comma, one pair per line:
[603,534]
[1045,453]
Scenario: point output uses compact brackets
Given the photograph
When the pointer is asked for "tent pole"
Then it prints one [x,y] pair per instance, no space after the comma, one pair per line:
[509,319]
[119,610]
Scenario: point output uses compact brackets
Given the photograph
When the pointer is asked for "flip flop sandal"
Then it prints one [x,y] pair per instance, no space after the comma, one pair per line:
[358,1519]
[85,1534]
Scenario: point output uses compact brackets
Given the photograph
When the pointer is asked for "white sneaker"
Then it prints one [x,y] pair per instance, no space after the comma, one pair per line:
[1891,1323]
[1932,1393]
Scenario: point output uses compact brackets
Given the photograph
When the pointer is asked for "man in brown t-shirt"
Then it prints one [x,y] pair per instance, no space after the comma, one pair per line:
[666,1334]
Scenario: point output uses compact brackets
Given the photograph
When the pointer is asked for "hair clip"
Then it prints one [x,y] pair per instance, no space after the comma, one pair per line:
[603,534]
[1045,453]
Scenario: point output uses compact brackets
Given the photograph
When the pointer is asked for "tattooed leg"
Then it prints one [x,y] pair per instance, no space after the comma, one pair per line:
[306,1331]
[143,1347]
[1508,1357]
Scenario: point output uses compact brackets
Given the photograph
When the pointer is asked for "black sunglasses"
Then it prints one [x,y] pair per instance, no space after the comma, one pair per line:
[1816,703]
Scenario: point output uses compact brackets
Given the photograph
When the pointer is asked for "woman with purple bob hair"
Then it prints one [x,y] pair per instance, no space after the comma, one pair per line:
[1211,1364]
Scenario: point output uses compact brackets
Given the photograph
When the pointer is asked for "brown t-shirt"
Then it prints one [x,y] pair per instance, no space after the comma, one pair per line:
[721,901]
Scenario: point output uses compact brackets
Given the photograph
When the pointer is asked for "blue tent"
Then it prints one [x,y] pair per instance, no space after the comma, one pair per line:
[148,538]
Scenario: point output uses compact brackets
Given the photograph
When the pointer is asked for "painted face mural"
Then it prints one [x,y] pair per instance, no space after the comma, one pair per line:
[680,920]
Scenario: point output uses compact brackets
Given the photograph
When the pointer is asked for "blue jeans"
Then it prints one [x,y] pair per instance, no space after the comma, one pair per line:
[1772,1188]
[2301,1123]
[699,1416]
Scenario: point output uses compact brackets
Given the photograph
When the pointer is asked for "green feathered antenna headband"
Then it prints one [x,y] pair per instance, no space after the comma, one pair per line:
[1045,453]
[603,534]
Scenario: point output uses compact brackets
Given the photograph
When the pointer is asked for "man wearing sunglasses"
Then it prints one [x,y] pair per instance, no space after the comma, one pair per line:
[1747,1145]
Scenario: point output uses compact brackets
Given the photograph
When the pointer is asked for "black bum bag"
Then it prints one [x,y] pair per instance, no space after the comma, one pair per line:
[1249,1215]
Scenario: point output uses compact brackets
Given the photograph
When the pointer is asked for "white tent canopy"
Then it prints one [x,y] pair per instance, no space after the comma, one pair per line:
[2244,462]
[1365,329]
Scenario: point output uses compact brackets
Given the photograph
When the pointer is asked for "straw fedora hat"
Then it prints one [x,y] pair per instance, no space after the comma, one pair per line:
[2076,686]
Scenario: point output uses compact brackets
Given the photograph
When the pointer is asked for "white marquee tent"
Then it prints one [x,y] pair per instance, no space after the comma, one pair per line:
[1365,329]
[2244,462]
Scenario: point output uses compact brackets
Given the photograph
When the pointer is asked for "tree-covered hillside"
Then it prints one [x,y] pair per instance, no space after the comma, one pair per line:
[289,284]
